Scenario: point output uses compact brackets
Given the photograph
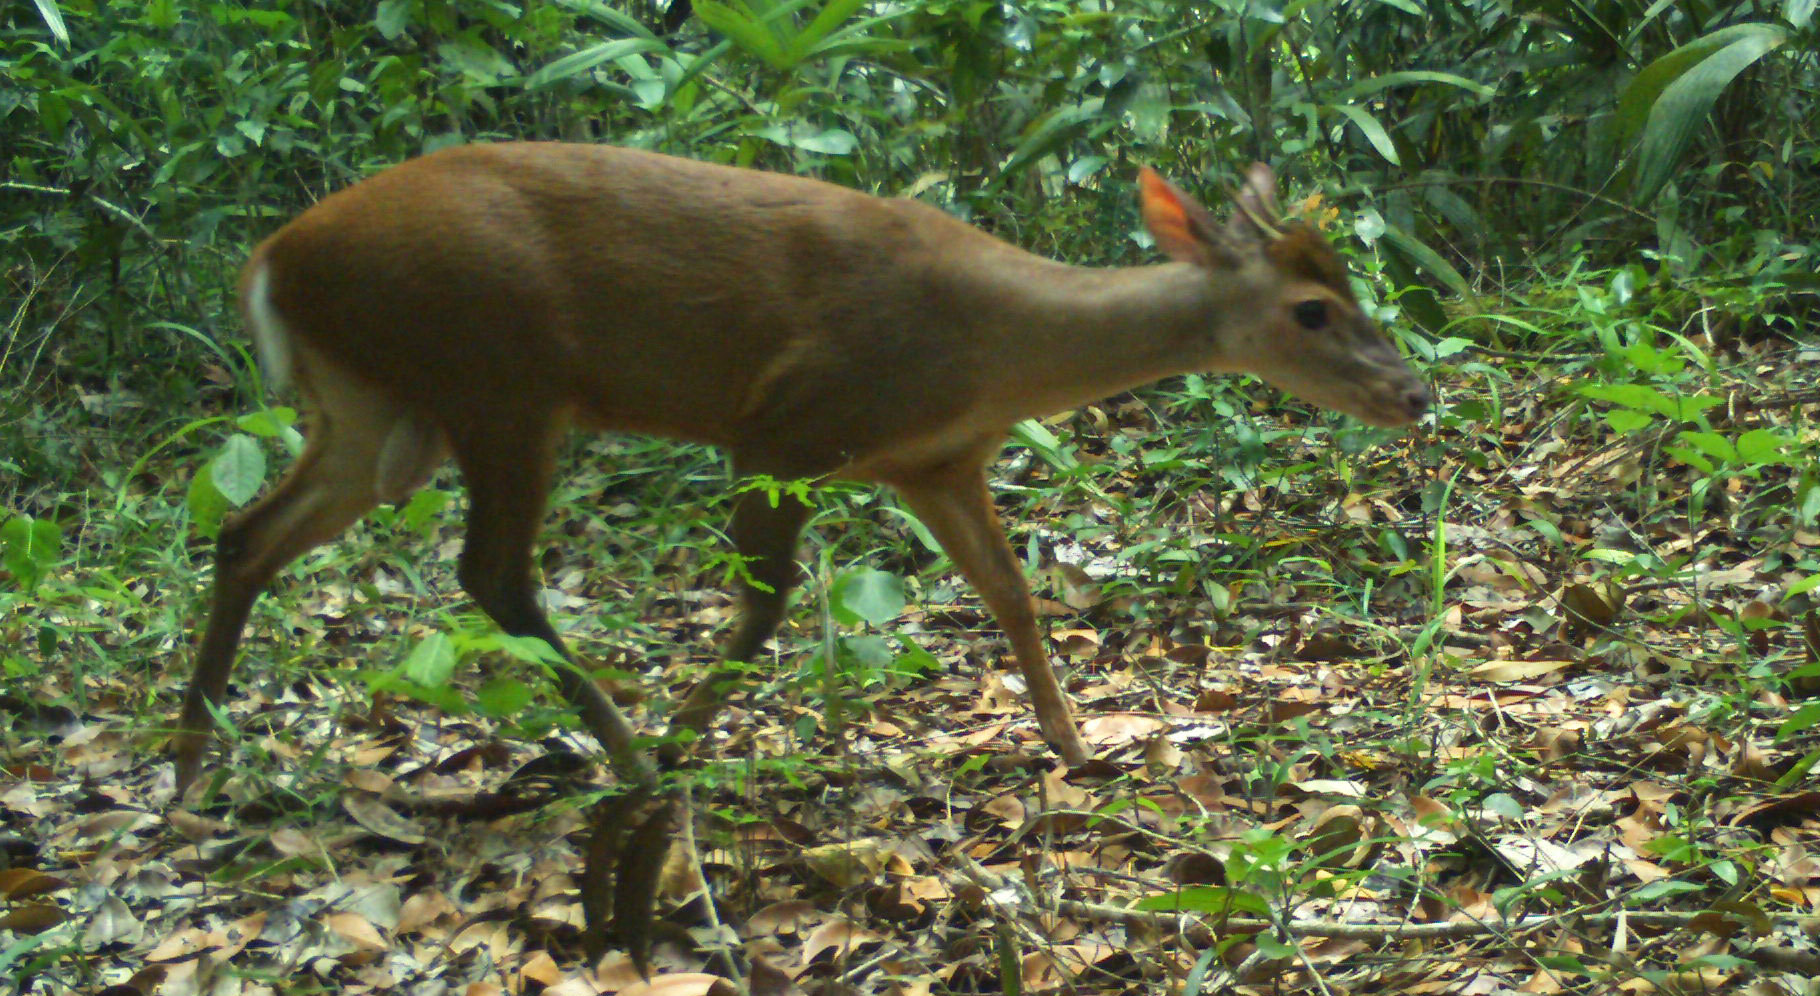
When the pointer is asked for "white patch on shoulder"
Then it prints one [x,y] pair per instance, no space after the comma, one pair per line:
[270,338]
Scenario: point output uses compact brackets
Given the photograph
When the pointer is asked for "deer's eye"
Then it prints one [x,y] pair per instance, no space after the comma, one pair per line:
[1311,314]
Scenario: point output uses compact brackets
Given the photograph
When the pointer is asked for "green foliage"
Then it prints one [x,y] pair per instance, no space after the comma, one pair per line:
[429,671]
[28,549]
[1586,206]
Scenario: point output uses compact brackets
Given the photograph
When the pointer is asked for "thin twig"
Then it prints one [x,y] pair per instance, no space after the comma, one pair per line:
[715,929]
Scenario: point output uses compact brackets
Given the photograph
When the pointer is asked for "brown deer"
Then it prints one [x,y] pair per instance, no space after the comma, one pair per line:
[476,302]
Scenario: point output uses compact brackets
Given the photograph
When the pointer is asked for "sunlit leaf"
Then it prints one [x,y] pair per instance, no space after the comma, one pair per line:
[239,469]
[432,661]
[53,19]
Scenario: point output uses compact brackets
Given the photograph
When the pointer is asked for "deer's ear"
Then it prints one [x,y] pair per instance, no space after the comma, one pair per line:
[1254,214]
[1181,226]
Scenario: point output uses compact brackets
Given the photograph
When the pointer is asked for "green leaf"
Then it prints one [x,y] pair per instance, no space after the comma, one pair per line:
[866,654]
[618,20]
[1762,446]
[1037,436]
[1712,444]
[31,546]
[1803,720]
[1627,420]
[424,507]
[747,33]
[1688,99]
[503,697]
[532,649]
[392,18]
[206,504]
[1421,255]
[1270,947]
[915,662]
[1642,92]
[1407,77]
[431,662]
[577,63]
[1207,899]
[800,135]
[1641,397]
[239,469]
[1083,120]
[267,422]
[1797,773]
[864,594]
[1691,457]
[1802,586]
[1374,132]
[53,19]
[825,22]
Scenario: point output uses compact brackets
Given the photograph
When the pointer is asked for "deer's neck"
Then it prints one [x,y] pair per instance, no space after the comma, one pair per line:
[1067,335]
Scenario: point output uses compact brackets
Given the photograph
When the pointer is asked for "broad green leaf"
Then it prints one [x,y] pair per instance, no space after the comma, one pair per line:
[915,662]
[423,507]
[1639,396]
[1686,102]
[1664,889]
[1799,12]
[1627,420]
[1712,444]
[829,142]
[206,505]
[867,595]
[431,662]
[1642,397]
[392,18]
[1460,214]
[1084,167]
[31,546]
[867,653]
[1693,458]
[534,649]
[267,422]
[1642,92]
[503,697]
[1762,446]
[1271,948]
[239,469]
[1374,132]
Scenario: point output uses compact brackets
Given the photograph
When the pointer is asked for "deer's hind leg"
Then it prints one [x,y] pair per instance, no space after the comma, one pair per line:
[362,449]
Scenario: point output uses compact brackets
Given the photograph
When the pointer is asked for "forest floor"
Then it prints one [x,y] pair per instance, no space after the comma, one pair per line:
[1510,703]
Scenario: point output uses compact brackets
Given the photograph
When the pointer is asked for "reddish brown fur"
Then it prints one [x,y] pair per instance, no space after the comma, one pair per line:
[1305,252]
[476,301]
